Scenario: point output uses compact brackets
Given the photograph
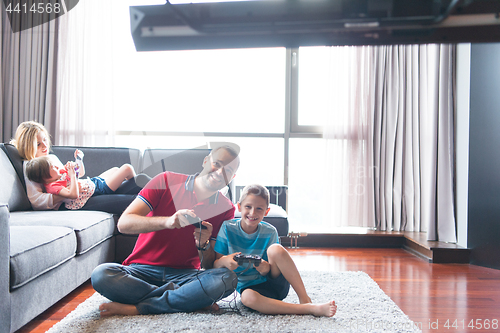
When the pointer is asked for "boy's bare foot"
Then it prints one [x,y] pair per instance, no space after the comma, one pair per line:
[324,310]
[114,308]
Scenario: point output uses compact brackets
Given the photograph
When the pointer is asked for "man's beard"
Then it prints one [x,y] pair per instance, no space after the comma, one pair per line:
[213,184]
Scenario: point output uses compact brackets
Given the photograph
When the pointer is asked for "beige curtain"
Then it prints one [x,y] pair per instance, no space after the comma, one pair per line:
[390,139]
[28,75]
[415,147]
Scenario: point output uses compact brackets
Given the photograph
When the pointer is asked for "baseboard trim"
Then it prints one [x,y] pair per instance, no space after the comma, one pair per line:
[414,242]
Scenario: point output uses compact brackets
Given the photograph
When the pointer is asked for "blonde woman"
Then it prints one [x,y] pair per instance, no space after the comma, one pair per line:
[33,140]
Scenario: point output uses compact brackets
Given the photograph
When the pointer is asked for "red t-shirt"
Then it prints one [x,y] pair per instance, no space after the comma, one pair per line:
[165,194]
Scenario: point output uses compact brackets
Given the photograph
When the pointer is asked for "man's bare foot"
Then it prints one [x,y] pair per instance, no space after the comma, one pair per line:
[214,307]
[114,308]
[324,310]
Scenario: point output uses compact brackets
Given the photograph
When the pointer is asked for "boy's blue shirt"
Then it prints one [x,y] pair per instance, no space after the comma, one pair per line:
[232,238]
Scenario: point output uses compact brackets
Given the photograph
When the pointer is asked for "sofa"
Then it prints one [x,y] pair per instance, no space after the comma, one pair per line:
[44,255]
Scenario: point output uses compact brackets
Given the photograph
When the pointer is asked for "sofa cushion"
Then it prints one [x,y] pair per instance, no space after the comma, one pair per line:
[12,190]
[35,250]
[91,227]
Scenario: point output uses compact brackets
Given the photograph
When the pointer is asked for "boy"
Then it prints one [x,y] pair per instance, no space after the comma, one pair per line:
[263,286]
[65,183]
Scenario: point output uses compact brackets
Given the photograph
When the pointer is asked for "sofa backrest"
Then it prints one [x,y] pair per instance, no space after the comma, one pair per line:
[99,159]
[12,187]
[187,161]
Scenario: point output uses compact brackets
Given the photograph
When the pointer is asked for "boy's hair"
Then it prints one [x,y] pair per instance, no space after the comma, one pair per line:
[25,139]
[257,190]
[38,169]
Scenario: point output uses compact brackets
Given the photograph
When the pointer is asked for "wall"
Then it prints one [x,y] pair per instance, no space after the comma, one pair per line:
[462,140]
[484,156]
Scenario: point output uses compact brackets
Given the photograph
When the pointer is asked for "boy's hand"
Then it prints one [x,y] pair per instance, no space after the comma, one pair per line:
[229,262]
[263,268]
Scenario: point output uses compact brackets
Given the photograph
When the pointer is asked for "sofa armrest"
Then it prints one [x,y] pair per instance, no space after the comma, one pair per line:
[4,268]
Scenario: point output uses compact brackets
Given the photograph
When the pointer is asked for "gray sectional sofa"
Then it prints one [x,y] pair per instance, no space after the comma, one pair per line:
[44,255]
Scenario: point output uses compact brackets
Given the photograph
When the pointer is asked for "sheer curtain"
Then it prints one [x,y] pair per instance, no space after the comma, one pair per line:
[28,74]
[349,138]
[390,139]
[85,74]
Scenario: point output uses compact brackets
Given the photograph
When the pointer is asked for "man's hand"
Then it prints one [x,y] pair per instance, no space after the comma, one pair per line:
[178,220]
[201,236]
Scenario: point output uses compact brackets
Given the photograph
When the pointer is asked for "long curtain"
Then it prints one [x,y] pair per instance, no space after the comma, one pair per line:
[84,94]
[390,139]
[28,74]
[348,134]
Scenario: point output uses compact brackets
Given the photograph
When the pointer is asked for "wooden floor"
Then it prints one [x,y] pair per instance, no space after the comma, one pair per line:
[430,294]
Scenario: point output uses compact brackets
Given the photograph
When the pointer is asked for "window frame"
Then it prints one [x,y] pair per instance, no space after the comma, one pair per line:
[291,127]
[296,129]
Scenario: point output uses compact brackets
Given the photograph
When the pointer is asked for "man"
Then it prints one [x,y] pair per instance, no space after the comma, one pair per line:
[162,274]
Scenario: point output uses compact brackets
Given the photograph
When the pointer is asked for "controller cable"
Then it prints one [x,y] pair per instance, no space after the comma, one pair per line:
[232,308]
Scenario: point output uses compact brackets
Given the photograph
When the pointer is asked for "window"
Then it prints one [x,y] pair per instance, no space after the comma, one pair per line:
[234,91]
[305,190]
[260,99]
[187,99]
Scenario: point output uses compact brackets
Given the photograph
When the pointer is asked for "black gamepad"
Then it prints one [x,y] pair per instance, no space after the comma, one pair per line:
[253,259]
[196,221]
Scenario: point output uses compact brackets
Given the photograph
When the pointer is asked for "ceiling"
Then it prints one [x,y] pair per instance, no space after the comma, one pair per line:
[294,23]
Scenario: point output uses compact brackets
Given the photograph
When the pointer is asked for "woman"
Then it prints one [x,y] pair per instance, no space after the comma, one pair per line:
[32,140]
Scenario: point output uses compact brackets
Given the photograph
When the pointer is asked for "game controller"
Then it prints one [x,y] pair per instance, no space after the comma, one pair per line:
[252,259]
[79,162]
[196,221]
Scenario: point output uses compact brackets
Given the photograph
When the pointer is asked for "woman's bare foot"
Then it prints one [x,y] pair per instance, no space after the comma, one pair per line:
[324,310]
[114,308]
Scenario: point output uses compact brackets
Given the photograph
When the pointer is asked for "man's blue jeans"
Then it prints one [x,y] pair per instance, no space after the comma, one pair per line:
[154,289]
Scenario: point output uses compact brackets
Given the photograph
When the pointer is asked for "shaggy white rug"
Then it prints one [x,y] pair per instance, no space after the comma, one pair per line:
[361,307]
